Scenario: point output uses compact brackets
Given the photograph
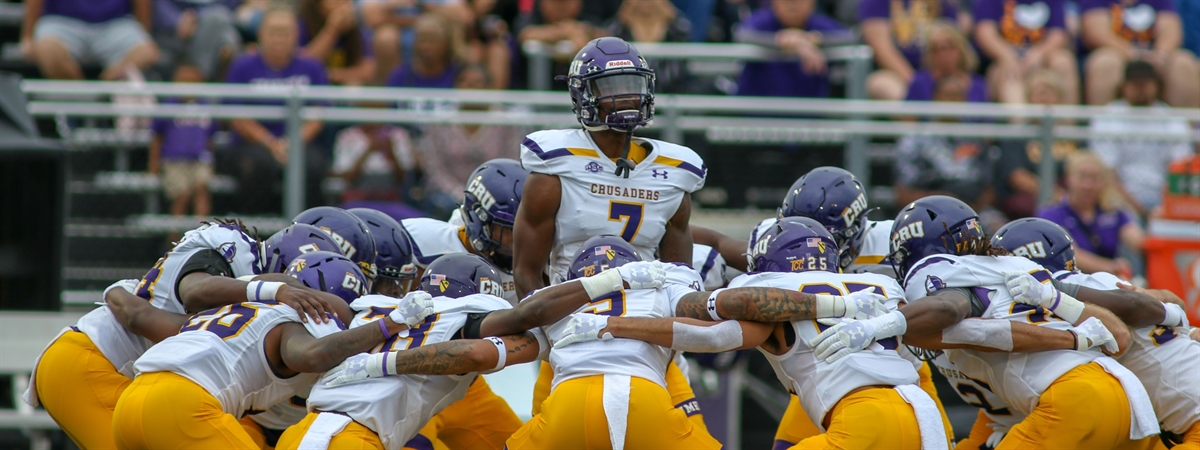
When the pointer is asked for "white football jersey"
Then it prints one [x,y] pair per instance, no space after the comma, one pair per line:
[624,356]
[122,347]
[1016,378]
[1164,358]
[433,238]
[876,243]
[595,201]
[821,385]
[710,265]
[222,351]
[396,407]
[977,392]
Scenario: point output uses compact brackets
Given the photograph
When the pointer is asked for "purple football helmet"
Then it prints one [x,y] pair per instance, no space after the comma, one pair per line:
[1040,240]
[933,225]
[329,272]
[601,253]
[394,261]
[350,233]
[795,244]
[282,247]
[834,198]
[458,275]
[490,207]
[606,71]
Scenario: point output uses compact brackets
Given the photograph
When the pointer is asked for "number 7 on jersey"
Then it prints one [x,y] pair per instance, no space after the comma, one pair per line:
[628,212]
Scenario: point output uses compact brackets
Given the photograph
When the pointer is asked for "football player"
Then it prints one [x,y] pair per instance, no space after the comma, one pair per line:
[394,253]
[600,180]
[467,306]
[950,271]
[349,232]
[241,359]
[197,274]
[1163,357]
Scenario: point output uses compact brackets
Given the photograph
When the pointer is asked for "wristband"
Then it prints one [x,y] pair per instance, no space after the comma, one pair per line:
[829,306]
[383,328]
[502,350]
[890,325]
[257,291]
[1080,344]
[603,283]
[712,305]
[1174,315]
[718,338]
[384,363]
[1067,308]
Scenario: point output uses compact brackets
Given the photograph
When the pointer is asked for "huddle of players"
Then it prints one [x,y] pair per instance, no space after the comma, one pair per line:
[242,345]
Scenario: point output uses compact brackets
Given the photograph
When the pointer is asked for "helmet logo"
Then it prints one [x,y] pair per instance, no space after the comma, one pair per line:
[760,247]
[490,287]
[851,213]
[910,231]
[797,265]
[818,243]
[576,67]
[974,225]
[228,249]
[308,248]
[341,242]
[607,251]
[440,281]
[1031,250]
[618,64]
[300,264]
[480,192]
[352,283]
[593,167]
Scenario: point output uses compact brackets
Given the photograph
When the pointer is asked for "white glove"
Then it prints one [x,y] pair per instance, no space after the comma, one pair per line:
[865,304]
[1026,289]
[413,309]
[357,368]
[643,274]
[849,336]
[996,437]
[1092,333]
[583,328]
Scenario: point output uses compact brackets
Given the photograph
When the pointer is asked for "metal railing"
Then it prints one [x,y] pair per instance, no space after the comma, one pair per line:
[723,119]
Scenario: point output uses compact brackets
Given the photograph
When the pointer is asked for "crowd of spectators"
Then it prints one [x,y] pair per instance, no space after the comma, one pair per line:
[1120,53]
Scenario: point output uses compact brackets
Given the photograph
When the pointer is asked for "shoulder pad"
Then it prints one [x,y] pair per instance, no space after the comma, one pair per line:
[678,156]
[551,151]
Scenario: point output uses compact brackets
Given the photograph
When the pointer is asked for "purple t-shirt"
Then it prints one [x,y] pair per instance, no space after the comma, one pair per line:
[923,87]
[1023,23]
[251,69]
[1102,236]
[183,137]
[91,11]
[1134,19]
[403,77]
[784,78]
[907,17]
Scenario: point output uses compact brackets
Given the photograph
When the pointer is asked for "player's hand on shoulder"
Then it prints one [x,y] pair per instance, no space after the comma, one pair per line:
[643,274]
[1092,333]
[582,328]
[865,304]
[310,303]
[1026,289]
[358,368]
[413,309]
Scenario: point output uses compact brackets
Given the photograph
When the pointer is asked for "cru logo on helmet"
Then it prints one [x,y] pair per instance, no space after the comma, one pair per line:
[912,230]
[851,213]
[489,287]
[347,248]
[480,192]
[1030,250]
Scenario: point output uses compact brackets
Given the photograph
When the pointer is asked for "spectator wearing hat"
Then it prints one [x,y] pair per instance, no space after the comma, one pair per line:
[1118,31]
[1140,162]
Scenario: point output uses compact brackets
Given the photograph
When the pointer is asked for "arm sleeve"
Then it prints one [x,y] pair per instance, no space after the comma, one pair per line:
[977,307]
[470,330]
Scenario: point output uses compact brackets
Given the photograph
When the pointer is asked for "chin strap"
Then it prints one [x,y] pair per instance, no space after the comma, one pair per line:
[624,165]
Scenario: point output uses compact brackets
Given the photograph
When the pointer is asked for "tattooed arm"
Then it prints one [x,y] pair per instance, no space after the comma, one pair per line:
[466,355]
[300,352]
[758,304]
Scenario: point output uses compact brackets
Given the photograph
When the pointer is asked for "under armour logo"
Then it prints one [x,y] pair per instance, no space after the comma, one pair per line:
[656,174]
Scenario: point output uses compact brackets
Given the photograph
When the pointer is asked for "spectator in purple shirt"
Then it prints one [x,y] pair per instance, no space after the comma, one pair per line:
[1020,37]
[793,27]
[437,55]
[1089,212]
[329,32]
[179,151]
[59,35]
[1118,31]
[261,147]
[896,30]
[198,32]
[947,55]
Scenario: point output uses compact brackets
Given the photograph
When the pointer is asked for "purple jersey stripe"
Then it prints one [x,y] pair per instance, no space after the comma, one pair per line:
[927,262]
[698,171]
[984,295]
[708,264]
[1041,275]
[554,154]
[533,147]
[1064,275]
